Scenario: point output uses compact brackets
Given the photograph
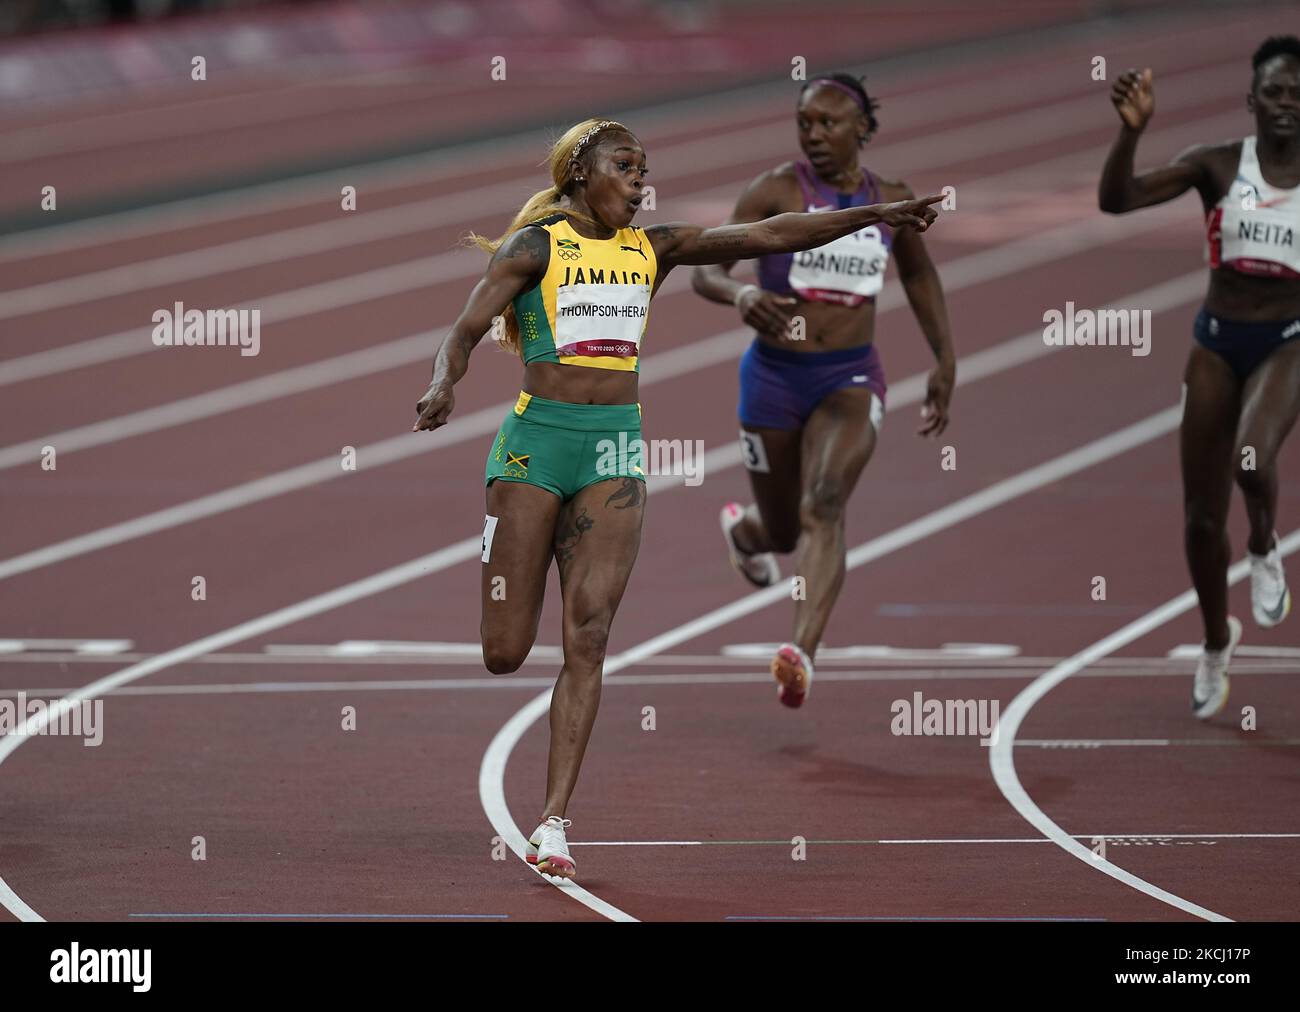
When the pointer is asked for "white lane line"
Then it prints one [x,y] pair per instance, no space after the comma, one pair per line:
[493,767]
[679,361]
[719,150]
[341,232]
[108,133]
[1001,261]
[260,250]
[378,583]
[966,142]
[1002,753]
[322,187]
[1000,357]
[383,648]
[987,652]
[951,840]
[371,585]
[101,648]
[232,397]
[491,789]
[507,683]
[957,667]
[1087,743]
[1191,651]
[1037,248]
[23,143]
[661,680]
[893,74]
[997,262]
[78,355]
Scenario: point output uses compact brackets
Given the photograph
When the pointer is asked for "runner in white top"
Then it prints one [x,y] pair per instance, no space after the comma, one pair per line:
[1243,374]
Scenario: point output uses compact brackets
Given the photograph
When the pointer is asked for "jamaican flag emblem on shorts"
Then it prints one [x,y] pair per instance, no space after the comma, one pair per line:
[564,447]
[516,465]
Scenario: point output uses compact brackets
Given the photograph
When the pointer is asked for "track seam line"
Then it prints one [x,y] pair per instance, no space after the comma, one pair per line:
[993,263]
[409,275]
[1162,297]
[909,391]
[497,755]
[975,54]
[1002,758]
[994,135]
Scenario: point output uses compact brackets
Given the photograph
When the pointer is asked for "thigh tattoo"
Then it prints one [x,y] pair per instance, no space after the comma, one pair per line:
[567,536]
[631,494]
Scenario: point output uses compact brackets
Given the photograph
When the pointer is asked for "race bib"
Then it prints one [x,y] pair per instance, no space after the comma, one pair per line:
[600,320]
[1261,241]
[848,269]
[753,452]
[489,532]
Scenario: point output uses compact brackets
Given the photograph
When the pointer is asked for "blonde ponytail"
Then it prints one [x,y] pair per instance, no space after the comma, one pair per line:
[546,202]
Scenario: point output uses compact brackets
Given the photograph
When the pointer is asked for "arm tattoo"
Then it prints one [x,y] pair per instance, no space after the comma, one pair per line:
[532,245]
[735,240]
[526,242]
[666,230]
[629,496]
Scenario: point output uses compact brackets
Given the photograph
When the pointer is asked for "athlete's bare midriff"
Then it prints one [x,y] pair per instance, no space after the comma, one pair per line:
[829,326]
[1234,295]
[577,384]
[1237,296]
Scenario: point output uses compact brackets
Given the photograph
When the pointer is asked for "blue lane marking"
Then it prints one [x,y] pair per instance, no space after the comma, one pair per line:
[829,918]
[398,917]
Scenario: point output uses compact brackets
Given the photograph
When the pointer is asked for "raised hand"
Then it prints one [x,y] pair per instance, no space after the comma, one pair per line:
[1133,98]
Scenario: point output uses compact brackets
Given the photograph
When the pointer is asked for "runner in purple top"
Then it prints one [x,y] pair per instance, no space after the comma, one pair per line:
[812,389]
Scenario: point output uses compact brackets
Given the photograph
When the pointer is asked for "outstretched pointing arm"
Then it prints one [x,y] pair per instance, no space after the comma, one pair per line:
[681,243]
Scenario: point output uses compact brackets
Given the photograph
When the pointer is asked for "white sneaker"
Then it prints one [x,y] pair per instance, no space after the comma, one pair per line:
[1210,688]
[793,671]
[759,569]
[549,850]
[1270,598]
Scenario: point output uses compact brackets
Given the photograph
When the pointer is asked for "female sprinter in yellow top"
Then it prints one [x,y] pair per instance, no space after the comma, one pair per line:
[572,278]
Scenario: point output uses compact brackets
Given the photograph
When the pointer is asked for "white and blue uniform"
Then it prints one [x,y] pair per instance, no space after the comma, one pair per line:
[1254,229]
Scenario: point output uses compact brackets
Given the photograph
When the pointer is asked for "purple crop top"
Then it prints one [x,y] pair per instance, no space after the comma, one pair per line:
[848,270]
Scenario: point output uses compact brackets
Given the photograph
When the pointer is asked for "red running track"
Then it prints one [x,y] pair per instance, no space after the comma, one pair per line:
[239,740]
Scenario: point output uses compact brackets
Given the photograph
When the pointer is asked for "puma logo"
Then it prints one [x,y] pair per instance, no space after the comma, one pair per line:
[636,249]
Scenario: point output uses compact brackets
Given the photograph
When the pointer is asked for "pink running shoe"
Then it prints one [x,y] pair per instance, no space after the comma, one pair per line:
[793,670]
